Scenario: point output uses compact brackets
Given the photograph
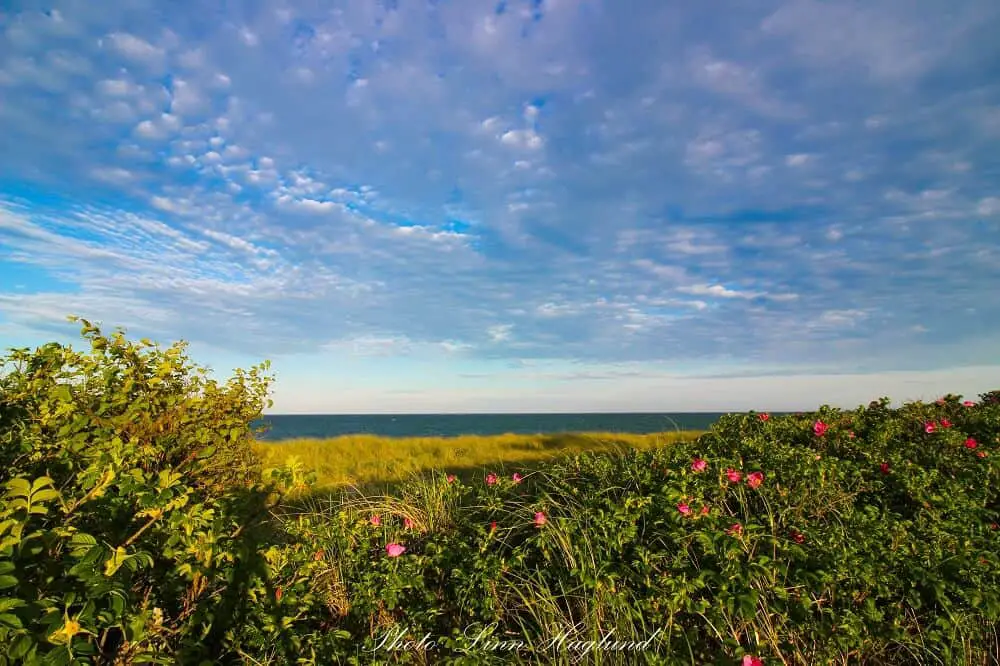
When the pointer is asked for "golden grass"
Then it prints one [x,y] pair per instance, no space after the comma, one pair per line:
[365,460]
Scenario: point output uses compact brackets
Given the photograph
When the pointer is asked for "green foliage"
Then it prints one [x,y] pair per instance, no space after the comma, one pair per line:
[129,489]
[137,527]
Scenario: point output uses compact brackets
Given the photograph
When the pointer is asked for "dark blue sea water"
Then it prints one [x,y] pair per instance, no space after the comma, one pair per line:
[289,426]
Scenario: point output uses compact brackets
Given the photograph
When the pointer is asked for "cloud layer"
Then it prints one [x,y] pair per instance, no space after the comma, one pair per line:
[785,186]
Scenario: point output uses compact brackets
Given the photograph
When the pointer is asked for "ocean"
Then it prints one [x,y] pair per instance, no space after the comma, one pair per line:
[290,426]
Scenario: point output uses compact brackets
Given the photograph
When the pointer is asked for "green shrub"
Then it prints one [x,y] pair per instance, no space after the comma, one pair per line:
[130,492]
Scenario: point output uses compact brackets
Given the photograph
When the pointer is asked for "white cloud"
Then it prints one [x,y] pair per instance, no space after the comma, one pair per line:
[716,290]
[186,99]
[523,138]
[136,49]
[500,332]
[988,206]
[114,175]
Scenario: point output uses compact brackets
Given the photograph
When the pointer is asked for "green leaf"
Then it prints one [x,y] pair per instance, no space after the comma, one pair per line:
[7,581]
[20,647]
[18,487]
[114,563]
[10,620]
[8,603]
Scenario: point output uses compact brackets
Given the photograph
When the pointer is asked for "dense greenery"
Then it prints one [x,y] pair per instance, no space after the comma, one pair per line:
[137,527]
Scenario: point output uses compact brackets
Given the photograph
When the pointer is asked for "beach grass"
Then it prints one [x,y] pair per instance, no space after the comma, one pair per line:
[370,460]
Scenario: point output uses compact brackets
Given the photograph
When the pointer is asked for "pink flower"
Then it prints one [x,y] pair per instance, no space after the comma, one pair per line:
[705,510]
[734,476]
[394,549]
[819,428]
[491,479]
[851,434]
[929,427]
[375,520]
[945,423]
[735,530]
[754,479]
[971,443]
[752,661]
[516,478]
[799,537]
[981,454]
[765,416]
[407,523]
[969,403]
[940,401]
[698,465]
[451,478]
[884,467]
[540,519]
[684,508]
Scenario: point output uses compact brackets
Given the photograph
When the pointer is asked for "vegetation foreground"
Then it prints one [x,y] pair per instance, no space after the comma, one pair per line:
[370,461]
[137,526]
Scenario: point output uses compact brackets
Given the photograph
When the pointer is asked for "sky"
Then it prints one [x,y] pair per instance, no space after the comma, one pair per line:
[540,206]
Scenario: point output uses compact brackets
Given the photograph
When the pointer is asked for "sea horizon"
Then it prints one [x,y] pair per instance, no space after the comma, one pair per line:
[322,426]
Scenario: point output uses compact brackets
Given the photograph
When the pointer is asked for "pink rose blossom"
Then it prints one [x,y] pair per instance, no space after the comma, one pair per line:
[540,519]
[684,509]
[394,549]
[929,427]
[819,428]
[698,465]
[491,479]
[971,443]
[516,478]
[734,476]
[375,520]
[754,479]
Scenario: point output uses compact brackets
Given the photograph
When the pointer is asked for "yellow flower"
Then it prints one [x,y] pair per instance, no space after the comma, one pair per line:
[66,633]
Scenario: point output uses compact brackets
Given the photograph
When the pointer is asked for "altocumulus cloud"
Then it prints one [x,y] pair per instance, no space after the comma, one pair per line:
[546,192]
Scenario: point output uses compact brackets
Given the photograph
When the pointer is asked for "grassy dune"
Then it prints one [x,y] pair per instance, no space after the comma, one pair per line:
[366,460]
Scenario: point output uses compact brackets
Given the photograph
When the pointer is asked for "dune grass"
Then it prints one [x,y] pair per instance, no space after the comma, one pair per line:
[370,460]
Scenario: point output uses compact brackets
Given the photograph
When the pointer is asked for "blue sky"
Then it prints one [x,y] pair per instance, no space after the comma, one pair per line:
[527,206]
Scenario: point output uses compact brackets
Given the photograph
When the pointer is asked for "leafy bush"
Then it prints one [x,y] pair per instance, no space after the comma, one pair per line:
[136,527]
[130,495]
